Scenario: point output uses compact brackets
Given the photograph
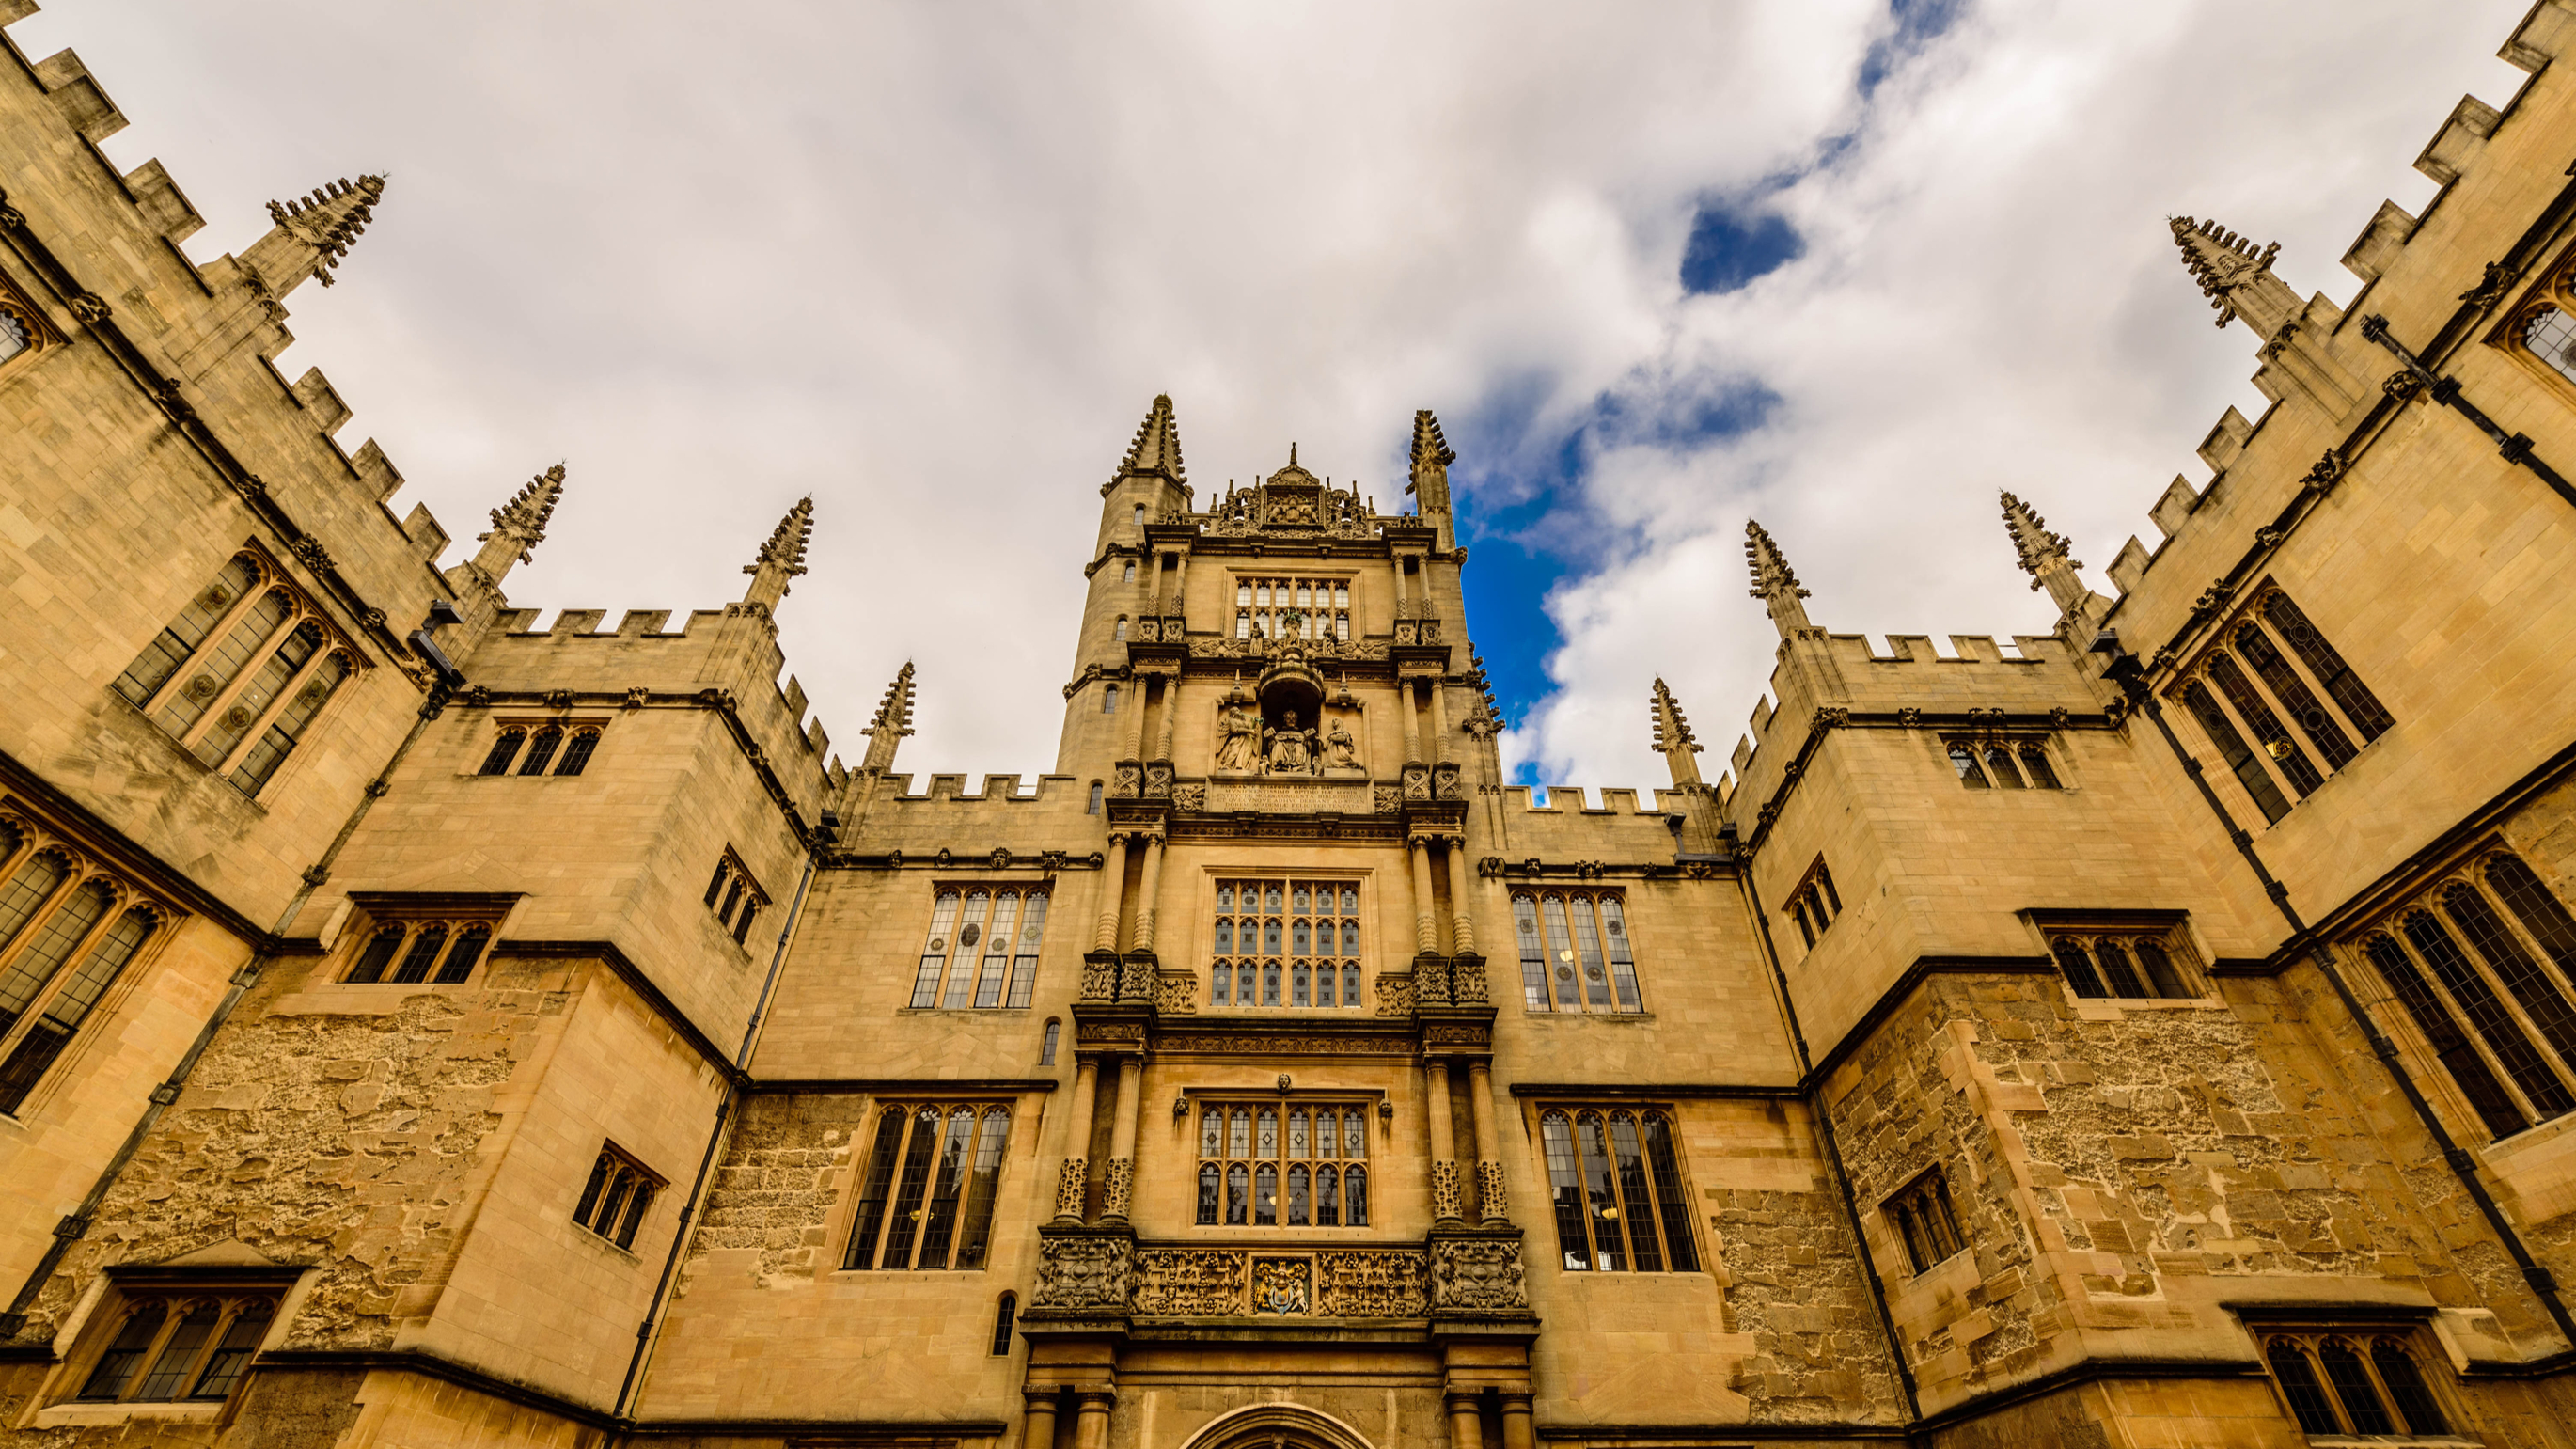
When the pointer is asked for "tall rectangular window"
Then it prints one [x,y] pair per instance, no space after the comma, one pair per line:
[68,932]
[1616,1191]
[928,1188]
[982,949]
[1292,608]
[1574,950]
[2279,703]
[1283,1164]
[1285,943]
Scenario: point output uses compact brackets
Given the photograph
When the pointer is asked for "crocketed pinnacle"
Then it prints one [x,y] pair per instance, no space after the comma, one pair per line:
[328,221]
[782,558]
[1774,582]
[1156,453]
[520,524]
[893,721]
[2044,555]
[2232,272]
[1673,737]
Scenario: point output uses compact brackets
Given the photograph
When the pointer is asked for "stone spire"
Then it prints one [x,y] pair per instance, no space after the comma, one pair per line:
[1673,738]
[312,233]
[1774,582]
[519,526]
[780,559]
[1429,476]
[893,721]
[2044,556]
[1156,453]
[2235,275]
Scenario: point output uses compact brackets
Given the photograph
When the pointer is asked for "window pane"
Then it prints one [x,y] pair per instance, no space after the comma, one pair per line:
[910,1188]
[1328,1197]
[2116,970]
[462,956]
[2159,967]
[2270,736]
[71,1005]
[970,935]
[1209,1174]
[1238,1142]
[2353,1389]
[2494,1106]
[997,955]
[2232,748]
[1297,1133]
[1266,1133]
[217,667]
[2538,910]
[56,938]
[2034,763]
[879,1183]
[1964,761]
[1533,956]
[1565,1189]
[1355,1197]
[1238,1195]
[378,955]
[168,650]
[635,1210]
[2077,963]
[1999,768]
[1300,1206]
[29,886]
[505,748]
[948,1180]
[1024,966]
[2547,1093]
[1560,952]
[2523,976]
[1325,1136]
[1599,1195]
[272,676]
[1354,1134]
[179,1356]
[1587,935]
[1636,1204]
[2299,1385]
[576,757]
[934,951]
[425,946]
[990,1137]
[1623,969]
[1668,1194]
[2550,338]
[2342,685]
[541,751]
[2415,1402]
[116,1366]
[2294,694]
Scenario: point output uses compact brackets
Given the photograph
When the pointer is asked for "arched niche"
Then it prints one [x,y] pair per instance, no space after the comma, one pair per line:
[1277,1426]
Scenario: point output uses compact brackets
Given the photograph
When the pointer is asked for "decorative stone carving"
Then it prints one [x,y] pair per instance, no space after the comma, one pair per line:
[1471,1274]
[1190,1282]
[1099,981]
[1493,1200]
[1189,799]
[1910,717]
[1238,736]
[1177,992]
[1341,752]
[1386,799]
[1283,1285]
[1417,782]
[1830,717]
[1352,649]
[1131,782]
[1430,982]
[1288,750]
[2402,385]
[1372,1285]
[1084,1272]
[1070,1182]
[636,696]
[1395,995]
[1467,980]
[1444,781]
[309,551]
[1444,1191]
[1158,781]
[1117,1180]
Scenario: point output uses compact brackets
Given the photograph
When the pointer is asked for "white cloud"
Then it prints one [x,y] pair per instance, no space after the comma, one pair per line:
[930,263]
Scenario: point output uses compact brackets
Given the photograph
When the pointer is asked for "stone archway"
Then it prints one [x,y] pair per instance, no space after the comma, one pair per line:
[1277,1426]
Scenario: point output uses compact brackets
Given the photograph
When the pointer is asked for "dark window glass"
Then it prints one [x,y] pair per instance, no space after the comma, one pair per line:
[117,1365]
[947,1183]
[2523,976]
[2116,970]
[70,1005]
[1004,1314]
[716,883]
[1046,1049]
[1210,1192]
[2294,694]
[2406,1385]
[2270,736]
[2077,963]
[232,1354]
[462,956]
[1964,760]
[1599,1195]
[1669,1199]
[175,1367]
[2241,760]
[1565,1189]
[2538,910]
[878,1184]
[576,756]
[1355,1197]
[425,946]
[2160,969]
[911,1188]
[1999,768]
[2034,763]
[2299,1385]
[2503,1035]
[378,954]
[2442,1033]
[541,751]
[2353,1389]
[2342,685]
[1636,1201]
[504,749]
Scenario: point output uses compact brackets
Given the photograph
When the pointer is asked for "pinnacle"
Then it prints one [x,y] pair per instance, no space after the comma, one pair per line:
[1672,729]
[330,219]
[2037,548]
[894,712]
[1772,576]
[2220,260]
[1157,448]
[1428,445]
[785,549]
[530,507]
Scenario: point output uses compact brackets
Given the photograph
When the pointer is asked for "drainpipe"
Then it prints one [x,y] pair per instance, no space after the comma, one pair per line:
[2125,671]
[2516,448]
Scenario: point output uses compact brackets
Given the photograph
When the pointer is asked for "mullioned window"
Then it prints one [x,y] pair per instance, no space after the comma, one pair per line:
[69,930]
[2280,703]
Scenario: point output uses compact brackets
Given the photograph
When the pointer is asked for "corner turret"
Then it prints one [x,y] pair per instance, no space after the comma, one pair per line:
[1149,483]
[1429,475]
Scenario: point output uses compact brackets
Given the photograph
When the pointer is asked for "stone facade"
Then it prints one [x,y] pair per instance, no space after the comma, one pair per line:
[426,1029]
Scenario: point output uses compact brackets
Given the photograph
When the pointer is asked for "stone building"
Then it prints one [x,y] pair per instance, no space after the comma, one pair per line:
[425,1029]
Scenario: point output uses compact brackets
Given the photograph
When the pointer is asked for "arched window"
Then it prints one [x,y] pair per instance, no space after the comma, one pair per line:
[1964,760]
[61,1019]
[541,751]
[2338,1387]
[1005,1314]
[576,756]
[2232,748]
[1129,575]
[1118,631]
[17,334]
[1046,1047]
[2552,338]
[505,748]
[1109,700]
[1616,1192]
[1094,807]
[1140,523]
[2034,763]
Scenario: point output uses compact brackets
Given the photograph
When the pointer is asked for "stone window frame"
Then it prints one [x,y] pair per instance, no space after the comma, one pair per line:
[1571,1136]
[1593,938]
[1980,760]
[1281,968]
[420,938]
[2553,294]
[2263,671]
[734,897]
[576,743]
[1815,905]
[892,1188]
[1227,1168]
[42,337]
[937,982]
[69,977]
[1245,586]
[290,708]
[2156,956]
[2463,965]
[2332,1375]
[617,1196]
[1006,1312]
[75,1398]
[1922,1219]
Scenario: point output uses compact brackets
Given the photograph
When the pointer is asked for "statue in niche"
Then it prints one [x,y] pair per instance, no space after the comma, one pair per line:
[1291,750]
[1341,752]
[1238,737]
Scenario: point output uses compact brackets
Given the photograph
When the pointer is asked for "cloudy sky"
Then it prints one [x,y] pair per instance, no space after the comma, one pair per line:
[1849,266]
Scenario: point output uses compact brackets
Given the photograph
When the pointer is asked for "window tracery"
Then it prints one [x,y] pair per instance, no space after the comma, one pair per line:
[1814,904]
[2122,964]
[735,897]
[2354,1382]
[1988,762]
[1574,951]
[982,950]
[617,1196]
[1921,1216]
[1283,1164]
[926,1196]
[1292,608]
[1616,1190]
[179,1347]
[559,747]
[69,930]
[25,333]
[1285,943]
[2272,663]
[239,676]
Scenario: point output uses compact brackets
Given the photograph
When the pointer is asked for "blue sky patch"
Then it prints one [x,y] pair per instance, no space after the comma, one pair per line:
[1730,248]
[1918,24]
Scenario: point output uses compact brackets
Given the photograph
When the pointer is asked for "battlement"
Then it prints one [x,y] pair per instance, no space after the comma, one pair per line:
[950,788]
[1575,800]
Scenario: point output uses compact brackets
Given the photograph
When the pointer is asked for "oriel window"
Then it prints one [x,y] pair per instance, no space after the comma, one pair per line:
[1279,942]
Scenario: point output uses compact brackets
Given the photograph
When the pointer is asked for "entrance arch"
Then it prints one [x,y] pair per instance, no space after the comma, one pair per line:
[1277,1426]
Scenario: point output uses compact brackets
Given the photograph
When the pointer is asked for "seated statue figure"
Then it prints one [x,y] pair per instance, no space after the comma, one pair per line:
[1341,752]
[1238,739]
[1291,750]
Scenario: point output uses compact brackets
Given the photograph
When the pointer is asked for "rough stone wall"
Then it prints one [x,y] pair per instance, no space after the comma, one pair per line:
[343,1140]
[1794,1286]
[774,1194]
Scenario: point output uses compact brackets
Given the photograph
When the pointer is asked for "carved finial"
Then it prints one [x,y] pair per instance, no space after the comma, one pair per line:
[782,558]
[1774,582]
[1156,452]
[893,721]
[318,230]
[1673,737]
[1292,454]
[1429,480]
[2044,555]
[519,525]
[2235,275]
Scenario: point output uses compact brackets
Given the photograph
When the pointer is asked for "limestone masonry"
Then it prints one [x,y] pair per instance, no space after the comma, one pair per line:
[421,1029]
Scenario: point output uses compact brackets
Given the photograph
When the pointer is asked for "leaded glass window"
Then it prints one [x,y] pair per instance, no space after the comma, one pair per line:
[1285,943]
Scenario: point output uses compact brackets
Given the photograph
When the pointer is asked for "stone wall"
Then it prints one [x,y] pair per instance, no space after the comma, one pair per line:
[1794,1287]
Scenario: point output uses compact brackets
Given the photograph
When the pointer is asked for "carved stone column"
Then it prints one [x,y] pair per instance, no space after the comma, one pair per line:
[1113,889]
[1072,1180]
[1519,1432]
[1412,726]
[1118,1182]
[1426,922]
[1466,1426]
[1492,1206]
[1444,1144]
[1037,1425]
[1462,923]
[1147,893]
[1138,684]
[1171,711]
[1091,1418]
[1439,750]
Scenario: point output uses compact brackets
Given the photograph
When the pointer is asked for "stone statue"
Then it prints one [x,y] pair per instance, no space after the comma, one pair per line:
[1238,744]
[1291,750]
[1341,752]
